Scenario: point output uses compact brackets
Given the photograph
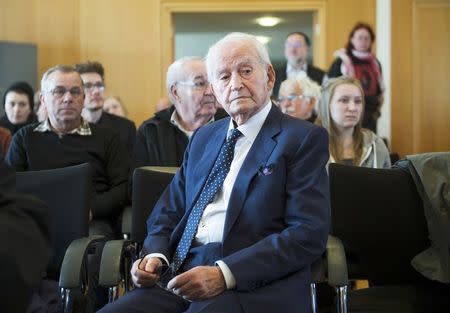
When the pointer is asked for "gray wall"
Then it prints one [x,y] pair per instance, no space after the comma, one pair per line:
[18,62]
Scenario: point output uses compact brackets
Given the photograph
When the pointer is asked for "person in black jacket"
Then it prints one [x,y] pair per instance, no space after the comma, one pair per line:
[93,76]
[296,50]
[162,139]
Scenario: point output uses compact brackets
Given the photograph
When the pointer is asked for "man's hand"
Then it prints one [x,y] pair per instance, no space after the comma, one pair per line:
[143,271]
[199,283]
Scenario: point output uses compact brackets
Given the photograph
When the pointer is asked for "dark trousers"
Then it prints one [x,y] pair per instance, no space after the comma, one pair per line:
[158,300]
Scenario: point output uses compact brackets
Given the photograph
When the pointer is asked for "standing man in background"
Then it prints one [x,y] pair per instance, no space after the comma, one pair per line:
[296,51]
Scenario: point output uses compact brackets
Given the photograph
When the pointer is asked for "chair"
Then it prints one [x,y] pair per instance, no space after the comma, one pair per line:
[67,192]
[378,216]
[118,255]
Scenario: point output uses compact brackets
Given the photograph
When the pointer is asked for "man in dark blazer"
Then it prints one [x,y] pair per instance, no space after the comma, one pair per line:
[296,50]
[254,242]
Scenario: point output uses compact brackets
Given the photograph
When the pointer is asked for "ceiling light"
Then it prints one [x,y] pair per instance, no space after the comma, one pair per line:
[263,39]
[268,21]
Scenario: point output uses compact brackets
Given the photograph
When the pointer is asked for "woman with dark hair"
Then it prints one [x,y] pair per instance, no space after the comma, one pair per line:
[18,104]
[357,61]
[340,111]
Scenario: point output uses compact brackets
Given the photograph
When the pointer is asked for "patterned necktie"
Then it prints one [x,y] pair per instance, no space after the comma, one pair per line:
[213,183]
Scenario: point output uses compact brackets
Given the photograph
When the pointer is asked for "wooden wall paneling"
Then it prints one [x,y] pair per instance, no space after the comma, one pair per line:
[431,76]
[401,77]
[124,37]
[18,21]
[57,27]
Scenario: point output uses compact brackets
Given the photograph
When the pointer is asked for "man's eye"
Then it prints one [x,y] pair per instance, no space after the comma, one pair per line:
[200,84]
[224,77]
[246,71]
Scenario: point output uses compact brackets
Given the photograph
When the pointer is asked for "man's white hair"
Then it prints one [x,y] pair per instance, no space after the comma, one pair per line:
[58,68]
[176,72]
[241,39]
[309,87]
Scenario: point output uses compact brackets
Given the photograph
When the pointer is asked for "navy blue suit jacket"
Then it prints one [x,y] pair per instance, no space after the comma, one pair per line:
[277,220]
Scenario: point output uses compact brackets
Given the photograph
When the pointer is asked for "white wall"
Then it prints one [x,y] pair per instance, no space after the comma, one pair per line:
[383,39]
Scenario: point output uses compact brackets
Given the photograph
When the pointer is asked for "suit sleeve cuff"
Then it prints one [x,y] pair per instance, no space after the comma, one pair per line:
[157,255]
[230,282]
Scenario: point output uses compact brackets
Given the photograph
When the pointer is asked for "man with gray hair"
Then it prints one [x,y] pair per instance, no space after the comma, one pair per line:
[65,139]
[162,139]
[299,97]
[248,211]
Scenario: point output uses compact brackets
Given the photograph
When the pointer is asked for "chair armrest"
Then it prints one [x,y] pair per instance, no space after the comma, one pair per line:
[126,221]
[75,259]
[336,263]
[110,270]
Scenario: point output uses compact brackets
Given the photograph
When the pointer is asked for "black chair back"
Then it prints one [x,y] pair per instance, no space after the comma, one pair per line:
[379,216]
[148,185]
[67,192]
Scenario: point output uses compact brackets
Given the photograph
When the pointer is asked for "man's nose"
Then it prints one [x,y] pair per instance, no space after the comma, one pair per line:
[208,89]
[235,82]
[67,96]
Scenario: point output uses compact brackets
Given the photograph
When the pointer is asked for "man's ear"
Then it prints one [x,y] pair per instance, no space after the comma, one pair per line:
[42,99]
[270,77]
[174,92]
[312,102]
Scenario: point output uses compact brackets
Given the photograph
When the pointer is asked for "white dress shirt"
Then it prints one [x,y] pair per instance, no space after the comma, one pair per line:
[212,222]
[293,72]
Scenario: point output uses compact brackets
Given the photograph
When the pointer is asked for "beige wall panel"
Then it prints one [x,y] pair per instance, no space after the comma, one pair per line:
[18,21]
[401,81]
[124,37]
[57,33]
[431,76]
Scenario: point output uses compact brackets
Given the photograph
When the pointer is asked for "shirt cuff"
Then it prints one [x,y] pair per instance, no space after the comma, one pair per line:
[230,282]
[157,255]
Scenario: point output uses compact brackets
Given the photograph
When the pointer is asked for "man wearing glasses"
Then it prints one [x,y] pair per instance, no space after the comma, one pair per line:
[162,139]
[65,139]
[296,50]
[299,97]
[93,76]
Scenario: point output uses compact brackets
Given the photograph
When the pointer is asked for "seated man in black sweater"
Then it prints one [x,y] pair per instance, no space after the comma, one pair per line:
[162,139]
[93,76]
[66,139]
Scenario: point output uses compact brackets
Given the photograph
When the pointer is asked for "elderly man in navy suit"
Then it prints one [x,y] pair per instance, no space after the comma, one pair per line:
[248,211]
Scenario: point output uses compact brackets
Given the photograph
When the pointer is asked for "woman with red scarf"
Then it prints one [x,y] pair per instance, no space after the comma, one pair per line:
[357,61]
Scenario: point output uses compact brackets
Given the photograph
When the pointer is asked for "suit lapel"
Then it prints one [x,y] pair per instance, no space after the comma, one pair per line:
[256,158]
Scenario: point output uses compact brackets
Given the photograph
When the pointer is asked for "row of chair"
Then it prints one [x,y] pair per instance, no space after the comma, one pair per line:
[378,226]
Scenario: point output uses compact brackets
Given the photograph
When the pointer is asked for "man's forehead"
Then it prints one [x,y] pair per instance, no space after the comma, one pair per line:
[60,78]
[295,38]
[92,77]
[194,70]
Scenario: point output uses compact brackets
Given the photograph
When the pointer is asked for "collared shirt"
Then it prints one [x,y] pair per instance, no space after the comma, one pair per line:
[82,130]
[212,222]
[292,72]
[175,121]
